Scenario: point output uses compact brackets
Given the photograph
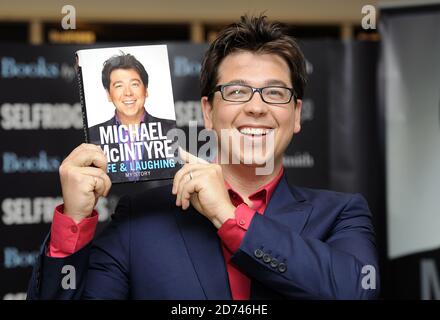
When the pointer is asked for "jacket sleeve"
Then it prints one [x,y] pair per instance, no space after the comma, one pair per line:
[58,278]
[97,271]
[108,270]
[341,266]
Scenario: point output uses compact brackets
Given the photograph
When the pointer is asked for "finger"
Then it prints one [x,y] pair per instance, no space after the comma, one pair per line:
[188,189]
[91,171]
[189,158]
[186,179]
[93,184]
[84,147]
[90,182]
[89,158]
[194,201]
[178,176]
[108,185]
[183,172]
[99,173]
[99,187]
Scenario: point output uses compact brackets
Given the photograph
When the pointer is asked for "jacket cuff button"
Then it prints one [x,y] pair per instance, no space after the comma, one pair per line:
[267,258]
[282,267]
[258,253]
[274,263]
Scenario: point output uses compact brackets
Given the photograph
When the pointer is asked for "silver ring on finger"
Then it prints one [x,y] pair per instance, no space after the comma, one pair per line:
[190,175]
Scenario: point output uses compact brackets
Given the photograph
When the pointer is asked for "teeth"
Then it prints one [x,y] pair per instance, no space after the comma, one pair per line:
[129,102]
[254,131]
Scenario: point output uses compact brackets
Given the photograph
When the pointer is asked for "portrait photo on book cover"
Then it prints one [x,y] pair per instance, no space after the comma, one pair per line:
[129,107]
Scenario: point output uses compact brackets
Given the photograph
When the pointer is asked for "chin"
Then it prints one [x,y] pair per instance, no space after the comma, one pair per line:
[262,168]
[255,160]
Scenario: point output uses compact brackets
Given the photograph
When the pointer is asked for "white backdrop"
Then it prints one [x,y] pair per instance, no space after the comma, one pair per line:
[160,102]
[411,57]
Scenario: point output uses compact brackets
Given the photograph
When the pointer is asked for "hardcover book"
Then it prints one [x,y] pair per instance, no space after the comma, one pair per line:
[128,110]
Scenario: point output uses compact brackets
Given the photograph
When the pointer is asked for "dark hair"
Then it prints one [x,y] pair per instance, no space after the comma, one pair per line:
[123,61]
[254,34]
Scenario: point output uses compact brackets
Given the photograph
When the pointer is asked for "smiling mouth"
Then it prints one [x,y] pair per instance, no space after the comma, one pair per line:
[129,103]
[254,132]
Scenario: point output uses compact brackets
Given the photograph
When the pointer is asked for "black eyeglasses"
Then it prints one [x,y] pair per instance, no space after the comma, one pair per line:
[244,93]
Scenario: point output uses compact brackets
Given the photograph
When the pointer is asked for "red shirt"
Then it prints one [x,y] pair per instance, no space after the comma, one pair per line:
[233,231]
[67,237]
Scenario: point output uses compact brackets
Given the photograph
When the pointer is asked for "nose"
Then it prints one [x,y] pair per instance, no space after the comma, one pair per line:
[256,106]
[127,91]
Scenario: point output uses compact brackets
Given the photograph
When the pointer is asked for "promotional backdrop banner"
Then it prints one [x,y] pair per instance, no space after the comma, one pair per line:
[41,123]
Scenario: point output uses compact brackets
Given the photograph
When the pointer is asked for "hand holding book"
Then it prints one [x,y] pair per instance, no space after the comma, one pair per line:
[83,180]
[202,185]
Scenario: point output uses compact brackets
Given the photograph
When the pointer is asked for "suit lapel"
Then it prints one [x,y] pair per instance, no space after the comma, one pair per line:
[205,251]
[288,207]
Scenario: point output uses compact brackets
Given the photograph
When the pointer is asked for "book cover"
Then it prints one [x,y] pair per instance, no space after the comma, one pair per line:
[128,110]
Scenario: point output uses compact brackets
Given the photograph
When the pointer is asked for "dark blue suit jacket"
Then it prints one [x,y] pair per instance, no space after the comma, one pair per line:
[154,250]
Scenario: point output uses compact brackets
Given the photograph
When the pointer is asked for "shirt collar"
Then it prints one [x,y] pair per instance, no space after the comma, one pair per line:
[264,192]
[118,122]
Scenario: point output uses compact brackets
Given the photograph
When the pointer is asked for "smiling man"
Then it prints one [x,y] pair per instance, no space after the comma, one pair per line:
[221,231]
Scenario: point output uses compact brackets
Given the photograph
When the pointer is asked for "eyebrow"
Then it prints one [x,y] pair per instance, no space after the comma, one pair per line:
[131,80]
[272,82]
[276,83]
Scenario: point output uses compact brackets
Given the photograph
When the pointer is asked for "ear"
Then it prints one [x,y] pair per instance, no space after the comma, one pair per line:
[146,92]
[297,116]
[207,109]
[109,98]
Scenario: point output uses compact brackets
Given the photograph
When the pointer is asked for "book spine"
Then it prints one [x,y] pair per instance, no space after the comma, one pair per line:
[83,103]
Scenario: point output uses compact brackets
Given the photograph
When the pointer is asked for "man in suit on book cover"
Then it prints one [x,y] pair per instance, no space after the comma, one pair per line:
[126,82]
[221,231]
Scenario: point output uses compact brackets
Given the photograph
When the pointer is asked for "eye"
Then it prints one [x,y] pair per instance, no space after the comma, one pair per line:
[236,91]
[275,92]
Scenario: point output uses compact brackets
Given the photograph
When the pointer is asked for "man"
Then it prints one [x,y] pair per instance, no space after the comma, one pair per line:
[126,82]
[242,235]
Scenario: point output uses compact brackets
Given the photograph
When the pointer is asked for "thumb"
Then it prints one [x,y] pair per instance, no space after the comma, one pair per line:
[189,158]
